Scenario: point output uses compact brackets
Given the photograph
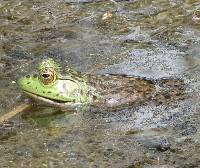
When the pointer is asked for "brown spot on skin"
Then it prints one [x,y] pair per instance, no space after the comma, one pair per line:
[57,94]
[49,92]
[44,92]
[28,83]
[94,97]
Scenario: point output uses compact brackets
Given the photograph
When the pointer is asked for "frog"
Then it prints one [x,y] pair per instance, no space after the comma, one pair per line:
[71,89]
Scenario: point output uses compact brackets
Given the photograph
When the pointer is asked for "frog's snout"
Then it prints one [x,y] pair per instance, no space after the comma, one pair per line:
[24,81]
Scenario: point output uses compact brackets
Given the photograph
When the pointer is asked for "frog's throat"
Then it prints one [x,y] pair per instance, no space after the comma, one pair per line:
[51,102]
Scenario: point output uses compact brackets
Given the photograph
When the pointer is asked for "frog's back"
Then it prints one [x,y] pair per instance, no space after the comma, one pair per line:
[122,90]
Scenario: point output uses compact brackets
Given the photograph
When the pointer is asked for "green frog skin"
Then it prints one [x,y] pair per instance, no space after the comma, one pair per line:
[73,89]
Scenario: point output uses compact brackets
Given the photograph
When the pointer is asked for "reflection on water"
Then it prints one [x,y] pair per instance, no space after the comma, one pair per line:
[145,38]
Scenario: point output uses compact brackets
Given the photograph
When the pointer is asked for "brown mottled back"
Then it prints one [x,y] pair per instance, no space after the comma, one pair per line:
[122,90]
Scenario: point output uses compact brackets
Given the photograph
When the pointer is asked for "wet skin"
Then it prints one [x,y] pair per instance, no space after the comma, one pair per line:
[50,87]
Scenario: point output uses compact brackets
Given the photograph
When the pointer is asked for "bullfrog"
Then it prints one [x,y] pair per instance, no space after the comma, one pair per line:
[50,86]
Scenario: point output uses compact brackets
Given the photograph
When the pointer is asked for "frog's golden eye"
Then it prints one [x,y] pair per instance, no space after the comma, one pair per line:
[45,75]
[48,76]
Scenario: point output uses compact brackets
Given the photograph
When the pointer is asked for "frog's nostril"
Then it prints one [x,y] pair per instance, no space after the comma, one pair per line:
[27,76]
[35,75]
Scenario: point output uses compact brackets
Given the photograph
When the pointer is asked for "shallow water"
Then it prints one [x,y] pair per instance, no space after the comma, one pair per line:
[146,38]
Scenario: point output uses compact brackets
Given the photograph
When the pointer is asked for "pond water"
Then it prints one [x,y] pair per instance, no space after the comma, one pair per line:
[145,38]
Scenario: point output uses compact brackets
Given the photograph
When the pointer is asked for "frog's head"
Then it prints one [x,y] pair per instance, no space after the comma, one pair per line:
[49,86]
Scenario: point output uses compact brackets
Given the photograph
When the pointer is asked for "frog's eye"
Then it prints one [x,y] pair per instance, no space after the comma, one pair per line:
[45,75]
[48,77]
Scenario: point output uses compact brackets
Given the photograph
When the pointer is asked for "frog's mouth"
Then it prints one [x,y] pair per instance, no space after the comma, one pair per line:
[50,102]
